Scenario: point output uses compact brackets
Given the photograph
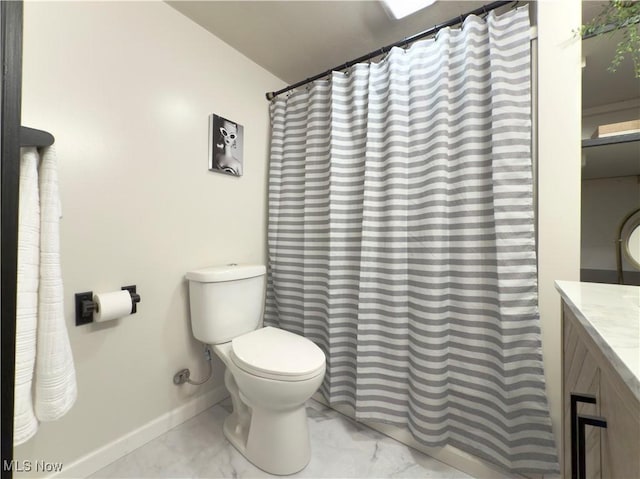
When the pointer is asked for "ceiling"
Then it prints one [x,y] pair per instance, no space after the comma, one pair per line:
[295,40]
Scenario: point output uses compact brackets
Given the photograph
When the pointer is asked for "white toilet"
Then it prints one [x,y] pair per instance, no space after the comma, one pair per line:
[270,372]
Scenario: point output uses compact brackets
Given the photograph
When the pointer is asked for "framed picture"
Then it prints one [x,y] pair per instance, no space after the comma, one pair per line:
[225,146]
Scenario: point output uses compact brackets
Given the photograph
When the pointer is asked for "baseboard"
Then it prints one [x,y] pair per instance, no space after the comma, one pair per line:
[96,460]
[449,455]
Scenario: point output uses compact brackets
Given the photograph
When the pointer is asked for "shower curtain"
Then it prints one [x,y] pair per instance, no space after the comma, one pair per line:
[401,240]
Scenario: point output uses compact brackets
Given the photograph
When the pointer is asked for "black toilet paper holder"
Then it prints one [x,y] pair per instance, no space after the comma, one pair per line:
[85,305]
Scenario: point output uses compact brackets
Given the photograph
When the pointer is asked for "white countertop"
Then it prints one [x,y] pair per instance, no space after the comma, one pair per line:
[611,315]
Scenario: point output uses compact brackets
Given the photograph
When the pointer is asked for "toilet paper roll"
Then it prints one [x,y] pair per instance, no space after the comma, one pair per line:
[111,305]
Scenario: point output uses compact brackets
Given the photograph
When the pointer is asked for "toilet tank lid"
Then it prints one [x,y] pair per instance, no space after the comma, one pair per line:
[227,272]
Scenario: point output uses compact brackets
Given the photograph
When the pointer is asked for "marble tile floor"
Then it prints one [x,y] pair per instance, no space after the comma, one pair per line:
[341,448]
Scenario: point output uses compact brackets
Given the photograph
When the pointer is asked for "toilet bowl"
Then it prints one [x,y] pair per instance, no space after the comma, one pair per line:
[269,422]
[270,373]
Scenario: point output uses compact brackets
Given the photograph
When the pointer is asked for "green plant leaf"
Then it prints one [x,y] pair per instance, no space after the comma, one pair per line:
[619,15]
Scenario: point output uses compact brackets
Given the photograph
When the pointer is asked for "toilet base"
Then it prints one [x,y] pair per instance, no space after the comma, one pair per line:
[276,443]
[279,441]
[274,438]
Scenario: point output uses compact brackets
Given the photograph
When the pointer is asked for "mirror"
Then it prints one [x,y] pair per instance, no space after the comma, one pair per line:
[610,189]
[630,239]
[632,247]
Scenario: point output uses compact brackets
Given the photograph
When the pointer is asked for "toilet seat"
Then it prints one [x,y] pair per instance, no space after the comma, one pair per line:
[277,354]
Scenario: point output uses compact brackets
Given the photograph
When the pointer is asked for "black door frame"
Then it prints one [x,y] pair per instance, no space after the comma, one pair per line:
[11,14]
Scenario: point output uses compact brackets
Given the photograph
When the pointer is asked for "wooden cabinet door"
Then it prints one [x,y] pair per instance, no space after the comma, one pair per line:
[580,374]
[621,439]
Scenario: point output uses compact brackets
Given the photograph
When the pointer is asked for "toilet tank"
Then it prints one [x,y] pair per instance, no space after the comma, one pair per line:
[225,301]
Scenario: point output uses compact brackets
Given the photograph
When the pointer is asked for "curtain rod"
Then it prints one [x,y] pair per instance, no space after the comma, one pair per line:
[381,51]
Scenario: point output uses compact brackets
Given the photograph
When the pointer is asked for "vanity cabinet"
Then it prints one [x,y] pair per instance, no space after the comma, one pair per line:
[612,451]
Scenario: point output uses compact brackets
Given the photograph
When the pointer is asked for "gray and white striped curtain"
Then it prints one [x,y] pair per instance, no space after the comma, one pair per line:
[401,240]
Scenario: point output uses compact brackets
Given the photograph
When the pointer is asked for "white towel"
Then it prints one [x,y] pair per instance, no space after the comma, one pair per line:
[25,422]
[55,380]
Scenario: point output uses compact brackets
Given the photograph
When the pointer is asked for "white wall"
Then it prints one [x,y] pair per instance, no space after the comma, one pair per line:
[605,203]
[559,105]
[126,88]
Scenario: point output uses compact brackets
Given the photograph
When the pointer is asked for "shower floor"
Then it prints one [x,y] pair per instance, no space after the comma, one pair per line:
[340,448]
